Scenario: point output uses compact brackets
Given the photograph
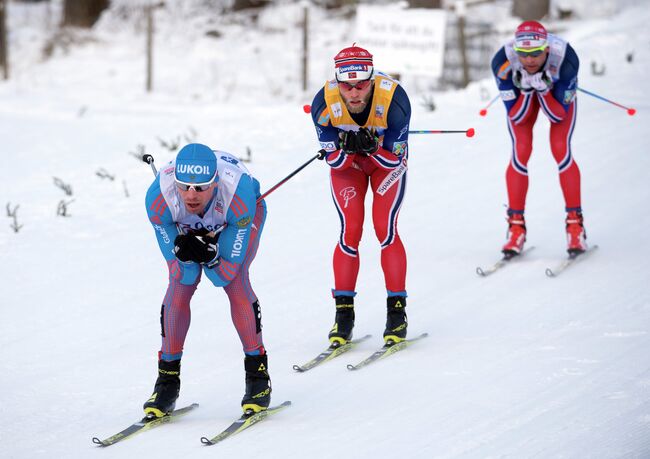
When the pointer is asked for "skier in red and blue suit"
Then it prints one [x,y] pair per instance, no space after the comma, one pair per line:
[362,119]
[537,70]
[204,210]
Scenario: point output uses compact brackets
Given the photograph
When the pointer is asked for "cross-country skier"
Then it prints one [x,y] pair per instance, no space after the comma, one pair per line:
[362,119]
[537,70]
[206,219]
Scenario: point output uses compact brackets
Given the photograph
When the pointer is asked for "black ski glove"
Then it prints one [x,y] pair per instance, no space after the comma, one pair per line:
[202,249]
[367,142]
[349,142]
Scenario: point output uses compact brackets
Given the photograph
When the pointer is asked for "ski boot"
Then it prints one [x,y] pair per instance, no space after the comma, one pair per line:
[396,322]
[166,389]
[258,384]
[341,331]
[575,232]
[516,234]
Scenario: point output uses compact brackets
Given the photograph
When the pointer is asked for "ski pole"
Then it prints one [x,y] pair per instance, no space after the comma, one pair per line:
[149,160]
[484,110]
[319,155]
[630,111]
[468,132]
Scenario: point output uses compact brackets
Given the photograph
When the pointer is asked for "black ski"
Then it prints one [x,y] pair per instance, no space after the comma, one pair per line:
[385,351]
[146,423]
[505,260]
[570,260]
[330,353]
[243,423]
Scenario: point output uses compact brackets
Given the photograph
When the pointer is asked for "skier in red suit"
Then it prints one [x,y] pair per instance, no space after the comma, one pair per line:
[361,118]
[539,71]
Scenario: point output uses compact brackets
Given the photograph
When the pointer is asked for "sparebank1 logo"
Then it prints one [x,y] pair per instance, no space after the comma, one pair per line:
[347,193]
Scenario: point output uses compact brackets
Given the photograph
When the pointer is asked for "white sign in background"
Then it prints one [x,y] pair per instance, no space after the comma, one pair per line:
[403,41]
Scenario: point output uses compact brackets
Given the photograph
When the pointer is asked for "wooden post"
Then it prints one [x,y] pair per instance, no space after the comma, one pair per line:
[4,58]
[149,9]
[460,12]
[48,16]
[305,46]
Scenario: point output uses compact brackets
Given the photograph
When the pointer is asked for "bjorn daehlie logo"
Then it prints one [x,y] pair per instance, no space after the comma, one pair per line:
[347,193]
[192,169]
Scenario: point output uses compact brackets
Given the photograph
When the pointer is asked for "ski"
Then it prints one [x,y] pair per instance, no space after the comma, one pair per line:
[506,259]
[146,423]
[571,259]
[330,353]
[385,351]
[243,423]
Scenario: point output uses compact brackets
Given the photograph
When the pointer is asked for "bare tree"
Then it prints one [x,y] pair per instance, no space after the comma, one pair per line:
[425,3]
[14,215]
[83,13]
[4,61]
[239,5]
[530,9]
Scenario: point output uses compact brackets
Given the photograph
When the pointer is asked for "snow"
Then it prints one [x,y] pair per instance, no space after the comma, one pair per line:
[515,365]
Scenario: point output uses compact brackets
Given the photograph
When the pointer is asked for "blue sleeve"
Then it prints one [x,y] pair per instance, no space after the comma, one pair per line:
[166,231]
[497,62]
[234,240]
[565,87]
[399,117]
[328,135]
[502,71]
[161,219]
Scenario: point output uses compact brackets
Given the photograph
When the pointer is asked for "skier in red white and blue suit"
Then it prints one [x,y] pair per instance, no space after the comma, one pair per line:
[362,118]
[539,71]
[204,211]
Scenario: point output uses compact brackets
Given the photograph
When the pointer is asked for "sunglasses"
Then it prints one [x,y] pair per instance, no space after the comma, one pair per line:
[360,85]
[533,52]
[198,187]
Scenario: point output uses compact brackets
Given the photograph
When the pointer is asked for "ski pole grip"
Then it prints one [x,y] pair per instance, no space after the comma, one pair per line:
[147,158]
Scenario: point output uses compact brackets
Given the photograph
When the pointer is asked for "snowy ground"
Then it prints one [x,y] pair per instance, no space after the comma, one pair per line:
[516,365]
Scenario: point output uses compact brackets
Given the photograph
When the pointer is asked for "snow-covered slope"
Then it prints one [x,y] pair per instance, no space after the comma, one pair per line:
[516,365]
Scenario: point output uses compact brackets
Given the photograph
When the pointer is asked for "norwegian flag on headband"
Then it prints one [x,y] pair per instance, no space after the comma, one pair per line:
[353,63]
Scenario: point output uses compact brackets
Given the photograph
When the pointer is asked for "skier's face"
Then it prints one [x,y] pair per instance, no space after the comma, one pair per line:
[533,64]
[195,201]
[356,94]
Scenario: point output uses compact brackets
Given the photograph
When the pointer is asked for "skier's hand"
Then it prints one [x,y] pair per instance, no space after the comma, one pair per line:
[541,82]
[197,248]
[349,142]
[522,80]
[368,143]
